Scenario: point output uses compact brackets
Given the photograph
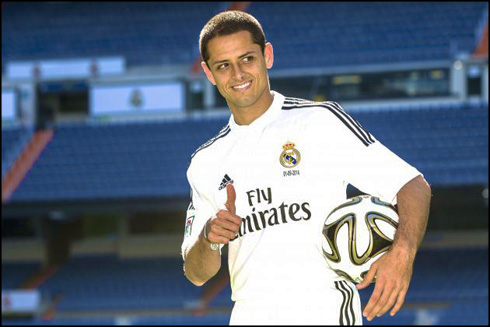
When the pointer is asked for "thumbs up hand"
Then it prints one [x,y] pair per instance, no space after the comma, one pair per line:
[225,225]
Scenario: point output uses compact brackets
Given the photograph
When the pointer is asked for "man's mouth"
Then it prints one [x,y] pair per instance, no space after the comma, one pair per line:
[242,87]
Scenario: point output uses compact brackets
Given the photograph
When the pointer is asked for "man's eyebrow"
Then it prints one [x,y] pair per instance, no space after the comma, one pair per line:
[240,57]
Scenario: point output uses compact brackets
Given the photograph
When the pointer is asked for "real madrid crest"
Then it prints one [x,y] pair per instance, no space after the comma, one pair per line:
[290,157]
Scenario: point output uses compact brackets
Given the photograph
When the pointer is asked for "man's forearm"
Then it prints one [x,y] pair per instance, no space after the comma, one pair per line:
[413,209]
[201,262]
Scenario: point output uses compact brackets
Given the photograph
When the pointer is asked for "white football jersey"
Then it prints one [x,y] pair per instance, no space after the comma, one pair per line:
[290,168]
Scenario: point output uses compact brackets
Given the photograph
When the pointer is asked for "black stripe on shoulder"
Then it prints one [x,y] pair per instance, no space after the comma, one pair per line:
[360,128]
[351,123]
[293,101]
[224,131]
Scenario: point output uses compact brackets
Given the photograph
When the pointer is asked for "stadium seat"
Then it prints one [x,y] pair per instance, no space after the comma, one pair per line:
[315,35]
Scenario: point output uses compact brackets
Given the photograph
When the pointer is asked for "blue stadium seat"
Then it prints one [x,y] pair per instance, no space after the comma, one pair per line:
[306,34]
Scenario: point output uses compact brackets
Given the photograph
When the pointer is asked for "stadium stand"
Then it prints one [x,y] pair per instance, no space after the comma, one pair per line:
[447,285]
[337,33]
[447,275]
[208,319]
[87,161]
[120,284]
[144,159]
[121,160]
[174,319]
[467,313]
[144,32]
[352,33]
[443,141]
[89,321]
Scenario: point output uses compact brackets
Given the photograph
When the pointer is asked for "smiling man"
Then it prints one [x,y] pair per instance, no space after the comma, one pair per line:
[266,182]
[238,67]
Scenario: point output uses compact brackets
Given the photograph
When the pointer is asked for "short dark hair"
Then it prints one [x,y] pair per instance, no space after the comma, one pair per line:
[230,22]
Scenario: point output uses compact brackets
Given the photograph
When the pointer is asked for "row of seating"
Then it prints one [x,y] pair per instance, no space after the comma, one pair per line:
[210,319]
[442,275]
[458,314]
[149,159]
[448,286]
[306,34]
[106,283]
[342,34]
[467,313]
[143,33]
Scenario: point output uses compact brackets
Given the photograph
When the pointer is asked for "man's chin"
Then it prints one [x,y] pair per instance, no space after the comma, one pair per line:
[243,102]
[245,106]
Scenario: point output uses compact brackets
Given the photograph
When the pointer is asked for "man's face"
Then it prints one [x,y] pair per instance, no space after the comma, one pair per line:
[239,69]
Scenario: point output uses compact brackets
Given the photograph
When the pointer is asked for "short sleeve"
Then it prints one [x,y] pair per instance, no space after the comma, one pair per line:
[378,171]
[198,212]
[361,160]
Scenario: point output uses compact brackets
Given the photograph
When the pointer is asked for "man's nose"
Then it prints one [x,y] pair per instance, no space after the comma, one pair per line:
[237,72]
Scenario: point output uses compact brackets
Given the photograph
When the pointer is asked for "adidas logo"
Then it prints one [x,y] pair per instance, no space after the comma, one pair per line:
[226,180]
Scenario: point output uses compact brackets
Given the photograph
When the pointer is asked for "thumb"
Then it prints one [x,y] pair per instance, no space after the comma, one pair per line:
[368,278]
[230,202]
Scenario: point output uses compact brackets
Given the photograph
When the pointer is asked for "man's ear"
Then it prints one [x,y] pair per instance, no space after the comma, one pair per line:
[208,72]
[269,55]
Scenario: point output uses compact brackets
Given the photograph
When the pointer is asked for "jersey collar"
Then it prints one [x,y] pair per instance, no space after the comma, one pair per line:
[267,117]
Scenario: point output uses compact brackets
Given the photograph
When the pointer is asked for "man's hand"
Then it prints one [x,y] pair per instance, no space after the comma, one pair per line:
[225,226]
[393,272]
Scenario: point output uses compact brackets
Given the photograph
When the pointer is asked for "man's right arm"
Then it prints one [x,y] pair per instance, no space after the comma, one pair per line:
[201,262]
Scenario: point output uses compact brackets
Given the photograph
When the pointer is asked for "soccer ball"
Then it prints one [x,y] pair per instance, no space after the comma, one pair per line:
[356,233]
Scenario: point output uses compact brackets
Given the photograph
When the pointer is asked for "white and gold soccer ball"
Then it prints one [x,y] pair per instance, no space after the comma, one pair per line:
[356,233]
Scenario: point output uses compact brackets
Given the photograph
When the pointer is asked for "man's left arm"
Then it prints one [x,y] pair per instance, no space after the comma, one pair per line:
[393,270]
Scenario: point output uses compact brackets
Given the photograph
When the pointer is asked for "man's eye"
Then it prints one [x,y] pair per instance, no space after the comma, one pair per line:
[248,59]
[222,66]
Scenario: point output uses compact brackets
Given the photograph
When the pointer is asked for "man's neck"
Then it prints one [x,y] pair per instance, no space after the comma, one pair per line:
[246,116]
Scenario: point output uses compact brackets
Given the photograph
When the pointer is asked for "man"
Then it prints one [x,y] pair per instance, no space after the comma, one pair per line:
[266,182]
